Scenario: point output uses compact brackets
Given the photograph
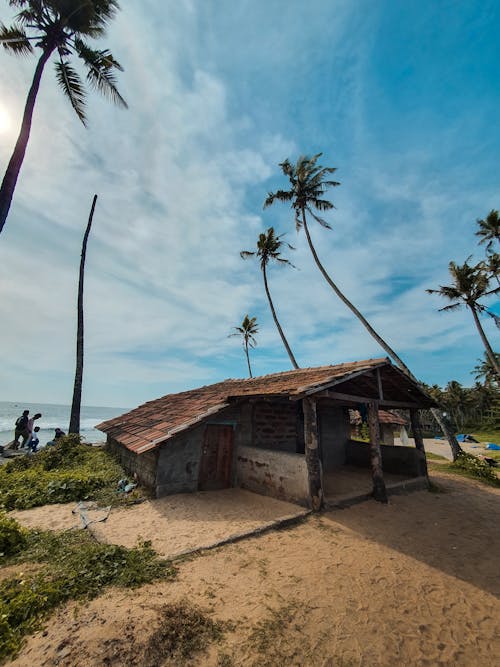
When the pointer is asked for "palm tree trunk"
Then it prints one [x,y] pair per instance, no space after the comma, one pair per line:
[14,167]
[248,359]
[445,427]
[486,343]
[352,307]
[74,424]
[285,342]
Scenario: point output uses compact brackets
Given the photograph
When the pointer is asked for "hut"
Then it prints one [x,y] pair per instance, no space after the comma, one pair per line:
[389,422]
[286,434]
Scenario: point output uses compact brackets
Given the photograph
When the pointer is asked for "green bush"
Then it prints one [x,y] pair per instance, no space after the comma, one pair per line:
[68,471]
[471,466]
[12,536]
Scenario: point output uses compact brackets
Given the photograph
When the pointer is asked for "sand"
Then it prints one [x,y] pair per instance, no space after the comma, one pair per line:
[414,583]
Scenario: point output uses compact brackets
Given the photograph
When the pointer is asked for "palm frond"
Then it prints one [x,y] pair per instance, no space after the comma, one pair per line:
[72,86]
[494,317]
[452,306]
[100,66]
[245,254]
[14,39]
[322,222]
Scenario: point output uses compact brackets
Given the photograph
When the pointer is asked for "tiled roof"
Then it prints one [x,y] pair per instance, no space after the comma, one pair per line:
[384,417]
[154,422]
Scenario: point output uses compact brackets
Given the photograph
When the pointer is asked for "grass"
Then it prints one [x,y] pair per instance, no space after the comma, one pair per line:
[73,566]
[68,471]
[470,466]
[435,457]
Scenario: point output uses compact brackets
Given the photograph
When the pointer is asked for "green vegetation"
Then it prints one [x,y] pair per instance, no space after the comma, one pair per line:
[12,536]
[73,565]
[65,472]
[470,466]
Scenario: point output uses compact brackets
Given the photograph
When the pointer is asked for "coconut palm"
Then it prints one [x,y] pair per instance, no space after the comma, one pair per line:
[247,330]
[61,28]
[309,182]
[470,284]
[268,249]
[485,372]
[74,422]
[489,230]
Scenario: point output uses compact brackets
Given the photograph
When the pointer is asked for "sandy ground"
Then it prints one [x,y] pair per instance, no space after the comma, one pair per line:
[414,583]
[175,525]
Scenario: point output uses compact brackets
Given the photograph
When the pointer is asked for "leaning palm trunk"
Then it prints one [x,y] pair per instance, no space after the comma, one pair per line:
[280,330]
[438,416]
[486,343]
[14,167]
[248,359]
[74,424]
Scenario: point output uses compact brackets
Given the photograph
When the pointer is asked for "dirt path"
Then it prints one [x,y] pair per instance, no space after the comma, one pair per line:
[415,583]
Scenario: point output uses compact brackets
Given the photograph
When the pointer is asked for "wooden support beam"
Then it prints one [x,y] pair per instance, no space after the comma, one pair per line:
[416,428]
[379,490]
[353,398]
[312,455]
[379,383]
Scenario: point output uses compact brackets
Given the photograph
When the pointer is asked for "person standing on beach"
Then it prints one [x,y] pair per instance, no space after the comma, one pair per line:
[34,440]
[30,427]
[22,430]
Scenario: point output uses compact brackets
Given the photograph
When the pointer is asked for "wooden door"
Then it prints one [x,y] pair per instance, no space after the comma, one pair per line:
[216,458]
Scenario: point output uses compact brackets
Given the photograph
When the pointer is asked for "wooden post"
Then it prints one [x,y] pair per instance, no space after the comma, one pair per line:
[311,452]
[416,428]
[379,490]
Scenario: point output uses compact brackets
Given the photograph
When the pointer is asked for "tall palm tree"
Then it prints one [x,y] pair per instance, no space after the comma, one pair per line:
[59,27]
[489,230]
[74,422]
[309,182]
[247,330]
[470,284]
[268,248]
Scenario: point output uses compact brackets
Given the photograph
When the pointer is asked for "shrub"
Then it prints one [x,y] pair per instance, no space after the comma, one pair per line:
[470,465]
[12,536]
[68,471]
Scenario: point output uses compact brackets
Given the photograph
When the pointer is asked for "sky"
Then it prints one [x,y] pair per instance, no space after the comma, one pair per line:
[401,97]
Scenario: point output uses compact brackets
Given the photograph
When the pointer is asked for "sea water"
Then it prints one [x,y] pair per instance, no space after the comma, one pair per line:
[55,416]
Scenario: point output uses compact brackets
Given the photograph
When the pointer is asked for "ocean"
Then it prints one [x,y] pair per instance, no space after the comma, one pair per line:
[52,416]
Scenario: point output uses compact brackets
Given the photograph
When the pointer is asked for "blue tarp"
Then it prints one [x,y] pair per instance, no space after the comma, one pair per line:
[491,445]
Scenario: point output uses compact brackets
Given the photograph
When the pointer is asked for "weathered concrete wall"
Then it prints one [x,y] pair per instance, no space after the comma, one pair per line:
[279,474]
[143,465]
[398,460]
[179,458]
[275,426]
[334,433]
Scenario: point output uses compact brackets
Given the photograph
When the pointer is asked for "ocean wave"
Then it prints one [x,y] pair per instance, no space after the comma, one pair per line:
[7,425]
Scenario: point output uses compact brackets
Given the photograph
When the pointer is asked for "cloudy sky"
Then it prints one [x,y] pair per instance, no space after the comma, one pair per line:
[401,97]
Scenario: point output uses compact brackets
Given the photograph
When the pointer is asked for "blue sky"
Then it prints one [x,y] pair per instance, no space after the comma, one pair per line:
[401,97]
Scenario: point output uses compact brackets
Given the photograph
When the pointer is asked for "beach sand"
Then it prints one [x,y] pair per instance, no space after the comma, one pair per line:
[414,583]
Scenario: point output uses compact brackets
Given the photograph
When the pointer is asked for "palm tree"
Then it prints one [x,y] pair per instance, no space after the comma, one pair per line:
[74,422]
[247,330]
[309,182]
[268,248]
[489,230]
[61,27]
[484,371]
[470,284]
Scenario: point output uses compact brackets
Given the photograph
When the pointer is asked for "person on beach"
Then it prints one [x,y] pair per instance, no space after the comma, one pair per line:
[31,426]
[58,434]
[22,430]
[34,440]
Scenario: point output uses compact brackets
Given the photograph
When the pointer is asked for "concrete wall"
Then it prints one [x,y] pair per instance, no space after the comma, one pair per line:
[275,426]
[142,465]
[398,460]
[334,433]
[387,433]
[279,474]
